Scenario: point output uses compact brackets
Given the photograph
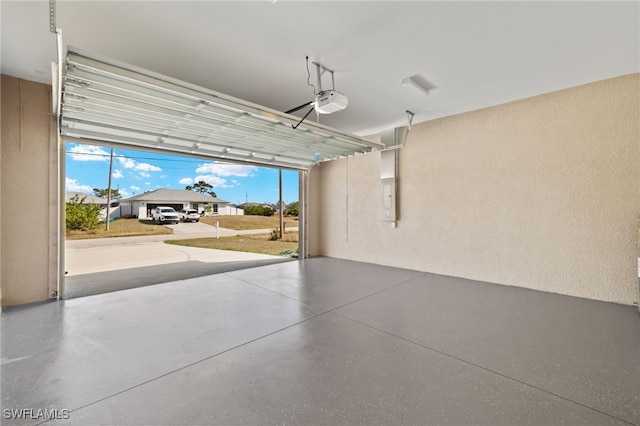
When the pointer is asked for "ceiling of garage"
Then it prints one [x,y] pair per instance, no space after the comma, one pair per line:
[476,54]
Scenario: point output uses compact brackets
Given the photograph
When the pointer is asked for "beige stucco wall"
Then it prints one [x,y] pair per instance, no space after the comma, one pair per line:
[27,269]
[542,193]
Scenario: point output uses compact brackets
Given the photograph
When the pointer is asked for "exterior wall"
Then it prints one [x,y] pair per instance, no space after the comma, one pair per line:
[542,193]
[28,158]
[141,210]
[114,212]
[228,210]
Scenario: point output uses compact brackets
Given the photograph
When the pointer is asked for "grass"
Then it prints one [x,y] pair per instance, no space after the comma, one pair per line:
[121,228]
[252,243]
[250,222]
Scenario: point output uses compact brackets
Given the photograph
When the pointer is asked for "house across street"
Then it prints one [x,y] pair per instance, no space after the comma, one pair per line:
[141,205]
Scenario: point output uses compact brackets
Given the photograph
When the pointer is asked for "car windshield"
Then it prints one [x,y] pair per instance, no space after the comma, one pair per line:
[192,211]
[167,210]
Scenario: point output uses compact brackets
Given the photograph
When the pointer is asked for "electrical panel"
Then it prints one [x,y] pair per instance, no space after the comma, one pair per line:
[388,199]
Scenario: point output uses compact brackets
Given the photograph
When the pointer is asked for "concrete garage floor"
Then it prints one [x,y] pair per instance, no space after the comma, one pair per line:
[324,341]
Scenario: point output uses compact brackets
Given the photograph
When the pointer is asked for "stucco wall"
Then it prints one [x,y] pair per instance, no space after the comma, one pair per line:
[542,193]
[27,268]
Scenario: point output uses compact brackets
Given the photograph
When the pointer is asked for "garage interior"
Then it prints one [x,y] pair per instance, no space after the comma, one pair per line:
[473,261]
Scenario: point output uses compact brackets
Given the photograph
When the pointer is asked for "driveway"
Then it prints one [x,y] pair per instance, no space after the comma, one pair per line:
[192,228]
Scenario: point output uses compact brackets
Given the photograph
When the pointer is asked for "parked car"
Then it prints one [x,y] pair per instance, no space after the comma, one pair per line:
[164,214]
[189,215]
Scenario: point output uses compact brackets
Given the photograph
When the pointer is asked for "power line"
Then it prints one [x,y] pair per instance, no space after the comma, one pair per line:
[133,158]
[176,160]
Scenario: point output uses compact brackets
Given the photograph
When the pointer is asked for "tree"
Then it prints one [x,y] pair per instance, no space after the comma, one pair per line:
[103,193]
[202,187]
[293,209]
[258,211]
[80,216]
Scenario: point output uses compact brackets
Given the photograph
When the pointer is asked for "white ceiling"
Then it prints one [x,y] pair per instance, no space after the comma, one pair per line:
[476,53]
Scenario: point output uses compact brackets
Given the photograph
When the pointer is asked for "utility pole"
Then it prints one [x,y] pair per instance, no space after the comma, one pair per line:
[280,204]
[109,192]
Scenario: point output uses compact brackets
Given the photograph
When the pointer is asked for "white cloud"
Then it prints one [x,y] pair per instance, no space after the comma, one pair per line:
[129,163]
[117,174]
[222,169]
[186,181]
[124,193]
[147,183]
[145,174]
[134,188]
[216,181]
[88,153]
[73,186]
[146,167]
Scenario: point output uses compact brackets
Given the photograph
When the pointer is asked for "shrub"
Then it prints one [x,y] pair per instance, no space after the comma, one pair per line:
[293,209]
[81,217]
[289,253]
[258,211]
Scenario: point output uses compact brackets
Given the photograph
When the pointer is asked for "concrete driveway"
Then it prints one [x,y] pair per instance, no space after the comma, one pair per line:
[108,264]
[192,228]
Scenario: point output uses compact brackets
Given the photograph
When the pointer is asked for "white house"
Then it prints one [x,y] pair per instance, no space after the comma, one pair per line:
[85,198]
[141,205]
[92,199]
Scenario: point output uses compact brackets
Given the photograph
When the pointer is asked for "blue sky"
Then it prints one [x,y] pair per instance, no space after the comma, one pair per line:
[134,172]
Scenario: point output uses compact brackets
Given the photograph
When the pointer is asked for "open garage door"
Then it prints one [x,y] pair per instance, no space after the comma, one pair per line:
[106,102]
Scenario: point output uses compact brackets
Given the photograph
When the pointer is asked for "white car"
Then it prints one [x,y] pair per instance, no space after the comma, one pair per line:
[189,215]
[164,214]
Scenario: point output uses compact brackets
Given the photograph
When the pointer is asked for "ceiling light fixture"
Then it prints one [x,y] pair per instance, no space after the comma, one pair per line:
[417,83]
